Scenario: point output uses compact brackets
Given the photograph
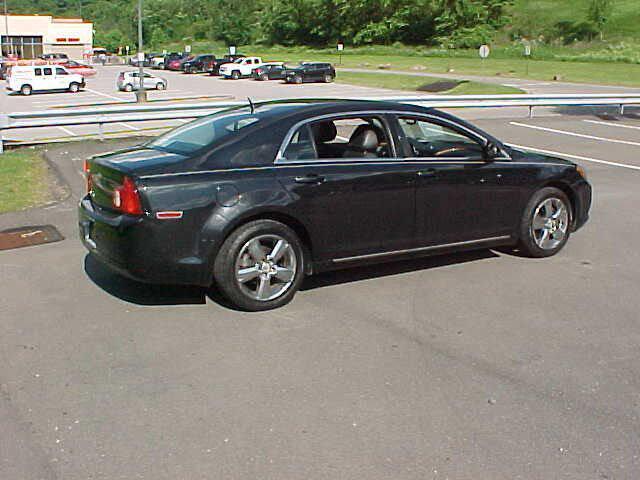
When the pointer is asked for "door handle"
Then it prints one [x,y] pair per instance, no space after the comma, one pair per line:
[429,172]
[311,178]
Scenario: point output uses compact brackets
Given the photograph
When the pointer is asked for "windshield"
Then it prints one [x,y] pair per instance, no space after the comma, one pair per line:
[239,60]
[193,136]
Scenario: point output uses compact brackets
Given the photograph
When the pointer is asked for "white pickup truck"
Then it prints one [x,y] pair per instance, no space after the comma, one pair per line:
[242,67]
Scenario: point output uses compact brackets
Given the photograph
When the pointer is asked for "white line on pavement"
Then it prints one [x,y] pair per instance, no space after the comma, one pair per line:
[574,134]
[611,124]
[575,157]
[104,94]
[129,126]
[67,131]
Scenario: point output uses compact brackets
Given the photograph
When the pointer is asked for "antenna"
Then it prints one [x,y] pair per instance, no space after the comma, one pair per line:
[251,105]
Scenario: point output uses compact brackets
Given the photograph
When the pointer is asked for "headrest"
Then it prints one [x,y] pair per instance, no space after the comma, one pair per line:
[365,137]
[324,131]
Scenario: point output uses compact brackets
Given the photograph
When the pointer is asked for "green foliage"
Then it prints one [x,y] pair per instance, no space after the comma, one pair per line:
[599,13]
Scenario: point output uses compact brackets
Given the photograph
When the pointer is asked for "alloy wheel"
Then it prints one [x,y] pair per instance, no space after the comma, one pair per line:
[266,267]
[550,223]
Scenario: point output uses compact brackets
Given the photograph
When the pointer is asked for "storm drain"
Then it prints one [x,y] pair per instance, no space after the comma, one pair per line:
[28,236]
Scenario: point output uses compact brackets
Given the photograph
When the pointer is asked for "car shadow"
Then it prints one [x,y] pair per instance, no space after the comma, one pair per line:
[145,294]
[141,293]
[379,270]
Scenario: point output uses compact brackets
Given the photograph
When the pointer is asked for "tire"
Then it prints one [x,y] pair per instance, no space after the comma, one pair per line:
[160,86]
[328,79]
[235,75]
[297,79]
[26,90]
[128,87]
[546,223]
[261,288]
[264,77]
[74,87]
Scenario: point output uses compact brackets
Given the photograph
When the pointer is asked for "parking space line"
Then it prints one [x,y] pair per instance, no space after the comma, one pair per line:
[574,134]
[67,131]
[611,124]
[104,94]
[575,157]
[129,126]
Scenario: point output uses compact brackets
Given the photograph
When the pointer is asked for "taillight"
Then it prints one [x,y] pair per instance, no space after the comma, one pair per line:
[87,173]
[126,198]
[121,76]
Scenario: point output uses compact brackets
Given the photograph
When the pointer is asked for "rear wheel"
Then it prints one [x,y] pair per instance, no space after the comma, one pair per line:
[74,87]
[260,266]
[160,86]
[26,90]
[235,74]
[546,223]
[328,78]
[128,87]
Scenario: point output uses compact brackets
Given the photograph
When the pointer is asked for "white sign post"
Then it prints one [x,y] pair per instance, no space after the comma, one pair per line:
[340,49]
[232,49]
[484,51]
[187,48]
[527,54]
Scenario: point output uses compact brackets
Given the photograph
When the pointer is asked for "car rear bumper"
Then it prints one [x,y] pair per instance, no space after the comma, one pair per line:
[133,247]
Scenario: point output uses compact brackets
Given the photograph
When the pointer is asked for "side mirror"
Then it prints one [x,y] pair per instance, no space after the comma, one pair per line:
[491,151]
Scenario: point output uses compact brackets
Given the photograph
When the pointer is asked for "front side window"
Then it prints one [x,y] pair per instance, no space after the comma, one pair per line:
[425,139]
[61,71]
[48,71]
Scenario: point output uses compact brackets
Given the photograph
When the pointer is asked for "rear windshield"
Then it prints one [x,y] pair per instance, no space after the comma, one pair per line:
[200,133]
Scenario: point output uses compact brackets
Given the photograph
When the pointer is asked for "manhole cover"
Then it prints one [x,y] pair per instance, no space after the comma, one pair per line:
[28,236]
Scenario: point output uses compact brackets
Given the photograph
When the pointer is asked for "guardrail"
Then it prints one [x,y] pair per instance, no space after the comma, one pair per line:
[145,113]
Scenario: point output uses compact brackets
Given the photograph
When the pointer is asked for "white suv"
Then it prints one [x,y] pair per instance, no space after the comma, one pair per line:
[27,79]
[242,67]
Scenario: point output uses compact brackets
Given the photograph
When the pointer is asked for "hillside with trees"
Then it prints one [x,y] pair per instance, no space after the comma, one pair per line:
[438,23]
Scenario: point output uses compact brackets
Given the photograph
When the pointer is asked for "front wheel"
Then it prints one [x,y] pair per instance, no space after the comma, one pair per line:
[74,88]
[235,75]
[260,266]
[297,79]
[264,77]
[128,87]
[328,79]
[160,86]
[546,223]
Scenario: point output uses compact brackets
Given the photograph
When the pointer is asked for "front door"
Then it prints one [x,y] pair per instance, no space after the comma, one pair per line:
[357,198]
[460,195]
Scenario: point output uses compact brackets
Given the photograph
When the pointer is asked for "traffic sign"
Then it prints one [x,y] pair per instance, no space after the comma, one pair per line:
[484,51]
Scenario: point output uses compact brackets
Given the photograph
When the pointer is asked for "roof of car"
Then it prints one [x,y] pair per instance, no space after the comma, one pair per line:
[308,107]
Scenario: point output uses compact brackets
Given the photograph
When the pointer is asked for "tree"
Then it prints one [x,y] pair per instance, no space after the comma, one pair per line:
[599,13]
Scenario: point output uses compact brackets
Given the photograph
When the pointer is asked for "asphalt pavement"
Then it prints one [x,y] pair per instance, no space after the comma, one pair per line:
[482,365]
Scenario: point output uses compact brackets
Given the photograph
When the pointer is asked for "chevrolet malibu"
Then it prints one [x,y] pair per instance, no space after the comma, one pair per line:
[255,198]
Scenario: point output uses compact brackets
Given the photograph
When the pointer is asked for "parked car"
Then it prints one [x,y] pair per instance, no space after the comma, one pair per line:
[242,67]
[269,71]
[311,72]
[130,81]
[199,64]
[176,63]
[157,62]
[214,68]
[33,78]
[54,56]
[134,62]
[80,68]
[173,56]
[254,198]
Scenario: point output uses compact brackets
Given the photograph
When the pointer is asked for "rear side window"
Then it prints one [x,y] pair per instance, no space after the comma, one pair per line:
[48,71]
[301,146]
[38,72]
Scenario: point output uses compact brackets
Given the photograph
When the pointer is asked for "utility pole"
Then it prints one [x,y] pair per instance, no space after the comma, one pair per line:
[6,26]
[141,94]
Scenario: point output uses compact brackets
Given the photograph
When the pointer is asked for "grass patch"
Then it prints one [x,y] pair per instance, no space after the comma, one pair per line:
[23,180]
[423,84]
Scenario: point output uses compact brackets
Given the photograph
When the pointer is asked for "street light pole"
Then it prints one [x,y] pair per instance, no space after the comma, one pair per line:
[141,94]
[6,26]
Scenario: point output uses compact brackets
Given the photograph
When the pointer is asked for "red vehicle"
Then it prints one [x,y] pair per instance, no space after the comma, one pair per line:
[79,68]
[176,63]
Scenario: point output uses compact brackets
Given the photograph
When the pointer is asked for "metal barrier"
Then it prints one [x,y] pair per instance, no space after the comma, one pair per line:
[145,113]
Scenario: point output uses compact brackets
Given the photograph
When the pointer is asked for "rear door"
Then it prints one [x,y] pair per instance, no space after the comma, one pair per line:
[460,196]
[353,205]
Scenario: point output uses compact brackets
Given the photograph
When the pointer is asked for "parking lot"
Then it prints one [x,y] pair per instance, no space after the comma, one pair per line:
[481,365]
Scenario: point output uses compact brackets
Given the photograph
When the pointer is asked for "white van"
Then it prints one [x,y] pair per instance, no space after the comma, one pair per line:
[39,78]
